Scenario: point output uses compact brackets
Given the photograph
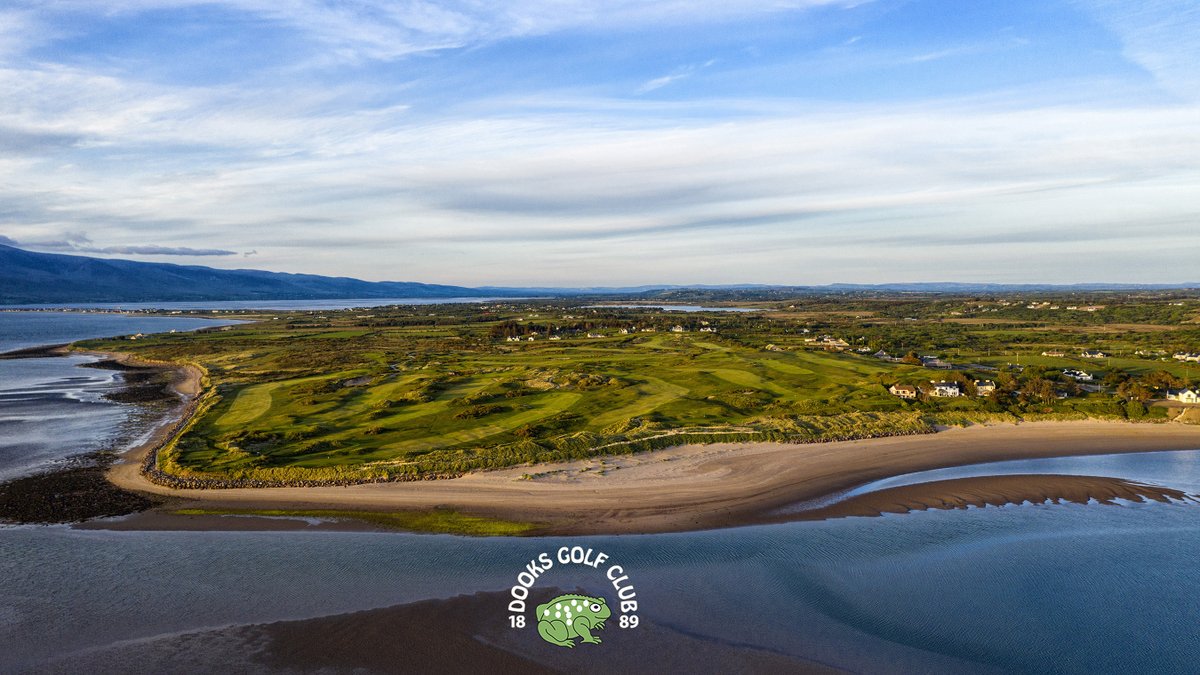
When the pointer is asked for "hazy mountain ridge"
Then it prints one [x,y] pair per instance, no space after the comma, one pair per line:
[30,277]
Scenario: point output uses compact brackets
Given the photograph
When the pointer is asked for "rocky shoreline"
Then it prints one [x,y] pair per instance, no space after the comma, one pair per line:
[143,384]
[73,494]
[80,490]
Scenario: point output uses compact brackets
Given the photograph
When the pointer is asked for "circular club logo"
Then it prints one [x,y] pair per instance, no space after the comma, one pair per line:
[572,618]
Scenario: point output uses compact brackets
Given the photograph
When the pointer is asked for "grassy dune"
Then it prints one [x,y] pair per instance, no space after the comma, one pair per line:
[420,392]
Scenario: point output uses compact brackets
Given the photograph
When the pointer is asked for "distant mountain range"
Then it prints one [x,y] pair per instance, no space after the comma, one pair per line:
[959,287]
[28,277]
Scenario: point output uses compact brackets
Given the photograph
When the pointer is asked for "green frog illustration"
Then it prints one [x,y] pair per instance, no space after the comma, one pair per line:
[567,617]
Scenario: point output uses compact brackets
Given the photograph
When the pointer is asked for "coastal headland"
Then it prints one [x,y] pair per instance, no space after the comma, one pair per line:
[678,489]
[556,417]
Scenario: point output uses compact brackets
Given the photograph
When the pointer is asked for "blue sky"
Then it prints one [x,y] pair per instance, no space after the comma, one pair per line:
[579,142]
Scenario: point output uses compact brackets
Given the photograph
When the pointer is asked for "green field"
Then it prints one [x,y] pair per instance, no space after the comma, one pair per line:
[419,392]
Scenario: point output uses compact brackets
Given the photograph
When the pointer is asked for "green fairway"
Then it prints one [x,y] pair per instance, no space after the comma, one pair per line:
[642,399]
[251,403]
[413,393]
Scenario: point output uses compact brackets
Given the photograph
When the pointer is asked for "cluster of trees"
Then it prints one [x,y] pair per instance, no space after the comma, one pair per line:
[1144,388]
[514,328]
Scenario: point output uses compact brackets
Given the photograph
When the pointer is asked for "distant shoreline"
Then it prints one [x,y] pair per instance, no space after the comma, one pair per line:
[677,489]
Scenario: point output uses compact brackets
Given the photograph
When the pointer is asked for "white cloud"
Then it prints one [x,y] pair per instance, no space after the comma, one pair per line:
[621,187]
[387,29]
[1162,36]
[681,73]
[554,187]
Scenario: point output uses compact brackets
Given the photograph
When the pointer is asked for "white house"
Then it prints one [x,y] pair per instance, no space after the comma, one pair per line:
[1184,395]
[903,390]
[1093,354]
[984,387]
[945,389]
[677,329]
[1078,375]
[1186,356]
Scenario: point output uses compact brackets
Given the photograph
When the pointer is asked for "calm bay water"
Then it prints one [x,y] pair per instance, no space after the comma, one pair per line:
[349,303]
[52,409]
[30,329]
[1026,588]
[1033,588]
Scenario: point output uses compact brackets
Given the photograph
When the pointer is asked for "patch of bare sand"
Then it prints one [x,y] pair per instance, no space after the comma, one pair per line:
[691,487]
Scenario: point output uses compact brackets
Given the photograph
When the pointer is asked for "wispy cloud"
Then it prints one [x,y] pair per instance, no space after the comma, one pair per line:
[679,74]
[158,250]
[384,29]
[339,169]
[80,243]
[1162,36]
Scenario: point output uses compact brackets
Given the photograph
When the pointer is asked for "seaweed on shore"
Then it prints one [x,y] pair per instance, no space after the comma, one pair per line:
[149,393]
[113,364]
[142,384]
[70,495]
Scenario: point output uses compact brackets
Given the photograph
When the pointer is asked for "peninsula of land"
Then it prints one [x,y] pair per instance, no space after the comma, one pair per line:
[556,416]
[688,487]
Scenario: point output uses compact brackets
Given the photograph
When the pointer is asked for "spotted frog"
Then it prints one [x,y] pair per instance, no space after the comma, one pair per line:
[567,617]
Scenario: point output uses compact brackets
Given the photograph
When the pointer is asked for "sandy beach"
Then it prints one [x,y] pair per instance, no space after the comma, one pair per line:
[677,489]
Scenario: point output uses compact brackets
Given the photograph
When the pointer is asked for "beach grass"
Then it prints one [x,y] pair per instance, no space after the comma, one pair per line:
[415,393]
[435,521]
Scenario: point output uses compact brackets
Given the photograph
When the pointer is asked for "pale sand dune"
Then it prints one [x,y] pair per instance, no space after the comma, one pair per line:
[684,488]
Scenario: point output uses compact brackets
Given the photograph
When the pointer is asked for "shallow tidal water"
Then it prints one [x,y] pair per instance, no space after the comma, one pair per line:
[1045,588]
[1031,588]
[51,409]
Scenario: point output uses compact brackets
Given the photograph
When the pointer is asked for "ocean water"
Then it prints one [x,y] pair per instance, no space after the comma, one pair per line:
[1178,469]
[30,329]
[349,303]
[1031,588]
[50,408]
[1045,588]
